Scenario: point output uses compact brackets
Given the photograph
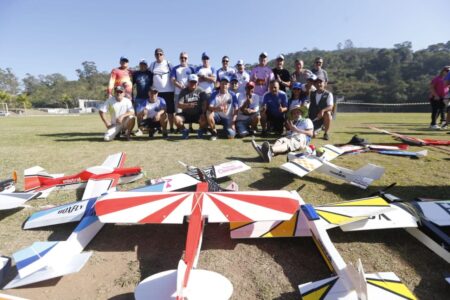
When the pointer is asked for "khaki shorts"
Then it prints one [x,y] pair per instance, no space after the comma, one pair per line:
[286,144]
[112,132]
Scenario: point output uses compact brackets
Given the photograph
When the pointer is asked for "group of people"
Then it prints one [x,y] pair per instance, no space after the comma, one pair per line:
[166,98]
[440,98]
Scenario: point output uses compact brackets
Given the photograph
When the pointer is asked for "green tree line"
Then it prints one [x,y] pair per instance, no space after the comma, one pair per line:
[396,74]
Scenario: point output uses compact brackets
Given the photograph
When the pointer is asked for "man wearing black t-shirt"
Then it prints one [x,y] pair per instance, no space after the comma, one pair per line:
[281,74]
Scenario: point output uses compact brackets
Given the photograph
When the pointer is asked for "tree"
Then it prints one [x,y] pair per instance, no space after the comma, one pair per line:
[89,70]
[339,46]
[348,44]
[9,82]
[23,101]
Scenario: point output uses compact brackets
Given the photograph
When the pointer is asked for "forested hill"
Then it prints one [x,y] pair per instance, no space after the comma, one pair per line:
[374,75]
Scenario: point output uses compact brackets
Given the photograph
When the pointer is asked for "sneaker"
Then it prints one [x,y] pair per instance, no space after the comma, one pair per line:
[213,136]
[266,152]
[435,127]
[185,134]
[326,137]
[230,133]
[444,126]
[200,133]
[151,132]
[257,148]
[138,133]
[251,133]
[165,134]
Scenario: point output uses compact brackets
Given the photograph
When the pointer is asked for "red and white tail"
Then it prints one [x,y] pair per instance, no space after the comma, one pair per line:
[35,176]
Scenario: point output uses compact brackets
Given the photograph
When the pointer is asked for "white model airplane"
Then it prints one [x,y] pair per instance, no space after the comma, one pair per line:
[8,185]
[188,282]
[349,282]
[46,260]
[9,199]
[301,164]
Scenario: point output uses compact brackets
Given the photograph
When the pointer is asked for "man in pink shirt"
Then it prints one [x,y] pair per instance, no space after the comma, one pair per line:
[438,90]
[261,75]
[121,76]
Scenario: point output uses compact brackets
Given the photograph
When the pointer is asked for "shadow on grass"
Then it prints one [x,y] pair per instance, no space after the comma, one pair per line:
[126,296]
[6,213]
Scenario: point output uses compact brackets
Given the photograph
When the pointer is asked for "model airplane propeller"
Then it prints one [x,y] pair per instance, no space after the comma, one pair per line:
[188,282]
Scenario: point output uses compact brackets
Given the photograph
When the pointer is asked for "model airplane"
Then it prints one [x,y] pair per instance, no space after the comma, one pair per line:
[45,260]
[8,185]
[188,282]
[382,149]
[38,180]
[413,140]
[301,164]
[9,199]
[349,282]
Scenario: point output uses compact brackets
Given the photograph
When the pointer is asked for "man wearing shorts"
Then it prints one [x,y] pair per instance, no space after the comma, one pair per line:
[297,138]
[248,115]
[154,114]
[192,101]
[122,115]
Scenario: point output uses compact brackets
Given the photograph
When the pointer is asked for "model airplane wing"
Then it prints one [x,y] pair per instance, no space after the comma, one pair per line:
[413,140]
[220,170]
[437,212]
[403,153]
[98,185]
[115,160]
[331,215]
[131,207]
[13,200]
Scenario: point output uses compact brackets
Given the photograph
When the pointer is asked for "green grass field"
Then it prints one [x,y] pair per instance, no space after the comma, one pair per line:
[258,269]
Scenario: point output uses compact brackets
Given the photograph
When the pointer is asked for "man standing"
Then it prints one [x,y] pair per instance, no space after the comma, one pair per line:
[318,70]
[248,115]
[274,106]
[226,70]
[122,115]
[161,69]
[121,76]
[281,74]
[192,101]
[300,74]
[206,75]
[154,113]
[297,138]
[261,75]
[222,106]
[180,75]
[142,80]
[320,107]
[242,76]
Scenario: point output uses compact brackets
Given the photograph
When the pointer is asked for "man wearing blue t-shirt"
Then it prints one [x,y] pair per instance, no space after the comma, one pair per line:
[274,107]
[142,80]
[223,104]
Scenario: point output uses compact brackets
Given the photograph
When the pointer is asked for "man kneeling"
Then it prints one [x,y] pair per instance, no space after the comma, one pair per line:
[298,136]
[122,115]
[154,114]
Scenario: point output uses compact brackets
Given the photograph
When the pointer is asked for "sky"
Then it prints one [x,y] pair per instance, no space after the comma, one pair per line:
[56,36]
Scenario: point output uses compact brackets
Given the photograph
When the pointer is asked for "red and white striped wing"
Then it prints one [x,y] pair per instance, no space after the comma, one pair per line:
[249,206]
[138,207]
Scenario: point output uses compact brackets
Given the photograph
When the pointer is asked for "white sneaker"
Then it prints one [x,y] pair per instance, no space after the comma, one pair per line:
[435,127]
[138,133]
[257,148]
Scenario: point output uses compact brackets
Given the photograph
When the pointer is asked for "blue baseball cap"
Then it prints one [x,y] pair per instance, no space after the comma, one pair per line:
[205,56]
[143,61]
[233,77]
[225,78]
[123,58]
[297,86]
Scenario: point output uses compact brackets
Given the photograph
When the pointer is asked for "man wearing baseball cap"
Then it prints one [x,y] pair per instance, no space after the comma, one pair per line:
[122,115]
[121,76]
[248,114]
[192,102]
[300,131]
[281,74]
[242,76]
[154,114]
[261,75]
[320,108]
[142,80]
[206,75]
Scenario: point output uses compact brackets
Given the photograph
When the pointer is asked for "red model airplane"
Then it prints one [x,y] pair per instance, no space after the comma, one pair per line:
[38,180]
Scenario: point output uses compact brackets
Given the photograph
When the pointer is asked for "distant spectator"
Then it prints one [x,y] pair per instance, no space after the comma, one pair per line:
[122,115]
[321,107]
[318,69]
[438,90]
[274,107]
[248,115]
[242,76]
[222,106]
[281,74]
[298,136]
[261,75]
[154,114]
[300,74]
[161,69]
[447,98]
[192,102]
[142,80]
[225,70]
[206,75]
[121,76]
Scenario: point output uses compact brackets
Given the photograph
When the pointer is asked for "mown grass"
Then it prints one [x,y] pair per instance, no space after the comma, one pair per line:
[70,144]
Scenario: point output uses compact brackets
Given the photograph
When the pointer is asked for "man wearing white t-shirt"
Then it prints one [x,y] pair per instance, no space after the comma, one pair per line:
[248,115]
[154,114]
[206,75]
[242,76]
[122,115]
[226,70]
[162,82]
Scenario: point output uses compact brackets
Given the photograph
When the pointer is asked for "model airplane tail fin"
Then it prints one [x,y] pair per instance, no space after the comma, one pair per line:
[13,200]
[35,176]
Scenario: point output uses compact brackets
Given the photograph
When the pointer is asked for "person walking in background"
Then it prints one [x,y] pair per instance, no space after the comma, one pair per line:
[121,76]
[438,91]
[161,69]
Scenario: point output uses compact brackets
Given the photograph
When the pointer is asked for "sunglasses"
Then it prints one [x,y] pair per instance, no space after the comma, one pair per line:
[159,54]
[225,61]
[319,62]
[119,92]
[182,57]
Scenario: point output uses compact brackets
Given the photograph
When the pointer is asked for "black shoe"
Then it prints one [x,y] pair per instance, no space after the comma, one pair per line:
[264,133]
[165,134]
[326,137]
[266,152]
[151,132]
[357,141]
